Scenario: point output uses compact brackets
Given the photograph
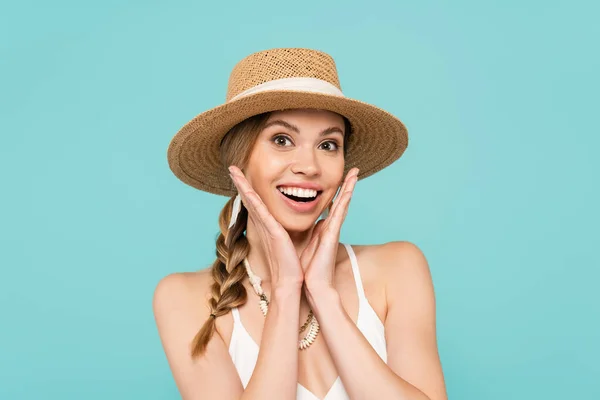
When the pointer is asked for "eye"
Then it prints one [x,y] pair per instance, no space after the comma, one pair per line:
[330,145]
[281,140]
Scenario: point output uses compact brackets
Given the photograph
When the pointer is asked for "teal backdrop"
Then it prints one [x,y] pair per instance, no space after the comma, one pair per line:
[499,185]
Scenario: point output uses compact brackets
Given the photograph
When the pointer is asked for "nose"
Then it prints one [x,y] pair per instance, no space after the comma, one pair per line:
[306,163]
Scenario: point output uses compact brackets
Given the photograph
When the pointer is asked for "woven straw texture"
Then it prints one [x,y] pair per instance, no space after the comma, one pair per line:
[265,66]
[378,138]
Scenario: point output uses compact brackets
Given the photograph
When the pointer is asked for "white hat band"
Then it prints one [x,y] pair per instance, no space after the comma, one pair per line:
[301,84]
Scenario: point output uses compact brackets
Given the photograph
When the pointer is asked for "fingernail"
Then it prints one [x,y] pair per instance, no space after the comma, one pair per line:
[230,168]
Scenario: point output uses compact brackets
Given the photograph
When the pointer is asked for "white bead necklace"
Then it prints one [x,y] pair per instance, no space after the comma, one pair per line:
[311,321]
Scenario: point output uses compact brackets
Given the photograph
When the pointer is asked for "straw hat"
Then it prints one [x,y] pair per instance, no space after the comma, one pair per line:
[280,79]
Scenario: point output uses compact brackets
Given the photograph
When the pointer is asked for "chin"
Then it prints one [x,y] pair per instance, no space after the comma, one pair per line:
[298,224]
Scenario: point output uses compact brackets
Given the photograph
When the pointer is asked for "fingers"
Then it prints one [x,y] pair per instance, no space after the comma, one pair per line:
[323,224]
[340,208]
[313,244]
[252,201]
[352,175]
[318,228]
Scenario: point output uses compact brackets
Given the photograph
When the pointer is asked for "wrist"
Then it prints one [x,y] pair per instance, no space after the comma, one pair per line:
[321,298]
[319,288]
[283,290]
[320,292]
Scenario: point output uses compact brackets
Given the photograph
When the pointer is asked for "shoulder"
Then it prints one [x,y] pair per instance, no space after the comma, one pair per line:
[394,248]
[401,267]
[181,309]
[410,323]
[394,257]
[184,292]
[183,281]
[408,268]
[402,257]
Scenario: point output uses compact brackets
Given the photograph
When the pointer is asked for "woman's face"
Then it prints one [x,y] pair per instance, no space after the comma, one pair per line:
[297,165]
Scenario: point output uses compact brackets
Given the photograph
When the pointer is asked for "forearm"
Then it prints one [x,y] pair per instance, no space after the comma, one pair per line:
[275,375]
[364,374]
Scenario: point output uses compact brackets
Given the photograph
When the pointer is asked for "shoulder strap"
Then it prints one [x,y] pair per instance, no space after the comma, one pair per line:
[236,315]
[355,271]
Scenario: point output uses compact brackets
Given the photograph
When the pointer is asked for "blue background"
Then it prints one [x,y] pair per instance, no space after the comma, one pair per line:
[498,187]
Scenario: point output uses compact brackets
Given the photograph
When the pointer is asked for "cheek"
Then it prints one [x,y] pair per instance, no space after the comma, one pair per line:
[333,168]
[266,162]
[263,169]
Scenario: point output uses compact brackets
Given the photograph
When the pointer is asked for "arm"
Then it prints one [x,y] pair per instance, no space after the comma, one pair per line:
[276,373]
[413,370]
[179,314]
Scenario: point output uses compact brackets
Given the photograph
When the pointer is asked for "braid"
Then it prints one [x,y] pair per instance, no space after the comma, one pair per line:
[228,273]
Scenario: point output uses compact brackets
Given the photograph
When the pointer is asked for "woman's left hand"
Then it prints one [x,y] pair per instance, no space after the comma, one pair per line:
[319,256]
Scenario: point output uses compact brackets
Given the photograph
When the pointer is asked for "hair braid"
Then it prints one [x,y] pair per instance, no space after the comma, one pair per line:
[228,272]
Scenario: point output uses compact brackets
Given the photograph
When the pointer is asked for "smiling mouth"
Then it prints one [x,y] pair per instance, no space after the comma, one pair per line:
[301,199]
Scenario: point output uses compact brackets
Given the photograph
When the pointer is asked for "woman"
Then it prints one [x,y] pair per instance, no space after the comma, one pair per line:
[325,320]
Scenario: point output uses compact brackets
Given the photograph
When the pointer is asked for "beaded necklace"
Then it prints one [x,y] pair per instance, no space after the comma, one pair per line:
[311,321]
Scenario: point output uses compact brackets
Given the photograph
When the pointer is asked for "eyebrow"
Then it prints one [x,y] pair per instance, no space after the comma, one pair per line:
[294,128]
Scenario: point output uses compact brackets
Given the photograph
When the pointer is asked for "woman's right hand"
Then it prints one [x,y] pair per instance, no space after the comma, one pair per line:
[280,252]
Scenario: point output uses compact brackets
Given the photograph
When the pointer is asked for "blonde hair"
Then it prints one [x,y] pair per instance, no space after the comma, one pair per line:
[228,271]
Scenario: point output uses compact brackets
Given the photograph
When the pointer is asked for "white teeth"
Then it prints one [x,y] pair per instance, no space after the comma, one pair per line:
[298,192]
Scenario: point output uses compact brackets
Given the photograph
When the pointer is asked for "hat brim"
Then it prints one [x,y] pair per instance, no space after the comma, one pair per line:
[378,138]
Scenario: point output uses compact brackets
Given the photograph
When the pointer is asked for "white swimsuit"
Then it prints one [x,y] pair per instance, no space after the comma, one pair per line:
[244,350]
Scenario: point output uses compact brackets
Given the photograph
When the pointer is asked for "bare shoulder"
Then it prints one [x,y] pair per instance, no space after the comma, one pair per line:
[400,268]
[180,304]
[410,323]
[181,308]
[181,289]
[390,249]
[393,258]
